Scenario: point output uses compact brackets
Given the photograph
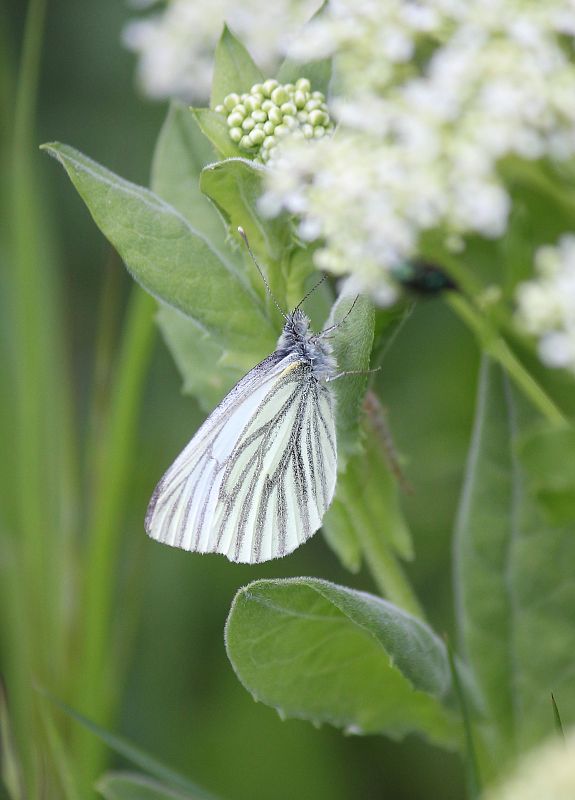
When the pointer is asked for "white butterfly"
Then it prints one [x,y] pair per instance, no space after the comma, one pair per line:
[258,476]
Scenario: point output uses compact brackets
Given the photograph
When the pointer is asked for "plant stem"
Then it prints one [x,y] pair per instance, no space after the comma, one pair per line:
[96,692]
[495,346]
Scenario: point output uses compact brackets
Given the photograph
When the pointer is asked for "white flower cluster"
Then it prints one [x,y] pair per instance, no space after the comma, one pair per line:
[257,120]
[176,45]
[430,98]
[546,305]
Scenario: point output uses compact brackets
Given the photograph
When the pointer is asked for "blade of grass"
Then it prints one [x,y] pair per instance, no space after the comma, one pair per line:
[134,754]
[557,718]
[97,686]
[39,488]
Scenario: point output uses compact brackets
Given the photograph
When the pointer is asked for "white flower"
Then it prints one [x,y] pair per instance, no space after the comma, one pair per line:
[546,305]
[176,46]
[429,99]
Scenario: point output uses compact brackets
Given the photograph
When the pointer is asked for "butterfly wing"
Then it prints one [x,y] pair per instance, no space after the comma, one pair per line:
[258,476]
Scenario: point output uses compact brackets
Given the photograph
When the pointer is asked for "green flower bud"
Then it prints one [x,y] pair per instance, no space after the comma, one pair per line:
[317,117]
[256,137]
[235,119]
[231,101]
[269,86]
[246,143]
[299,99]
[252,103]
[275,115]
[279,95]
[258,119]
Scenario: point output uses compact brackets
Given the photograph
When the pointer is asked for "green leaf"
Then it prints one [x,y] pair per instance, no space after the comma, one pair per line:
[11,774]
[234,68]
[339,530]
[137,756]
[352,342]
[182,151]
[317,72]
[199,359]
[169,258]
[135,786]
[367,498]
[326,653]
[235,186]
[215,128]
[514,580]
[548,457]
[372,494]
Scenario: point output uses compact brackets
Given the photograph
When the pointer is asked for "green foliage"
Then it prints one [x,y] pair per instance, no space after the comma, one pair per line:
[165,777]
[330,654]
[514,577]
[234,70]
[166,255]
[235,186]
[307,647]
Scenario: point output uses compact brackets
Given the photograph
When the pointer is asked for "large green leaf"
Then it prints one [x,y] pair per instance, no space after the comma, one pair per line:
[182,151]
[326,653]
[234,68]
[169,257]
[548,457]
[514,580]
[135,786]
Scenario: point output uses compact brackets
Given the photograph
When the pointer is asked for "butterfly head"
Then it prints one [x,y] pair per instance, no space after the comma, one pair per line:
[298,338]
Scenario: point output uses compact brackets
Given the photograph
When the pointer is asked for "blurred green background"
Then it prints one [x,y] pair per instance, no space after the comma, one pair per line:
[181,700]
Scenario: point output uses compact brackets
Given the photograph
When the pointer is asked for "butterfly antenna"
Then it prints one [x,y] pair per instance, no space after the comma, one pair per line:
[311,291]
[322,334]
[243,234]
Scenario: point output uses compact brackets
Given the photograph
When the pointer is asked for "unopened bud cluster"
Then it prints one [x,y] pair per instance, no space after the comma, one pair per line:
[258,119]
